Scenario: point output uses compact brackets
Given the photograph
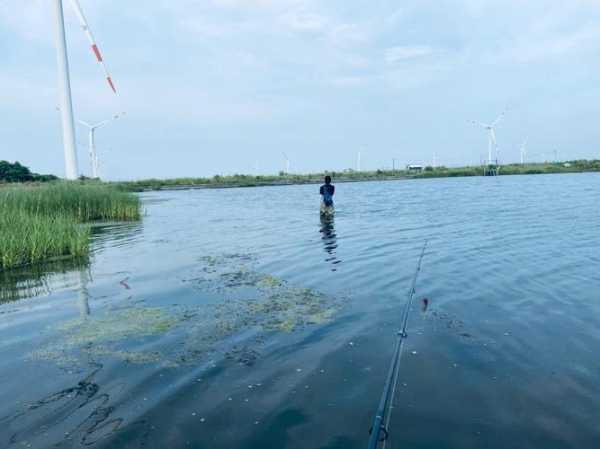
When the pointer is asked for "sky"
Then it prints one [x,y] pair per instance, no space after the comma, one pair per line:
[227,86]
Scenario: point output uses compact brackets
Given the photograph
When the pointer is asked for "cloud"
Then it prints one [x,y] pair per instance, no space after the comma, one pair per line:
[394,55]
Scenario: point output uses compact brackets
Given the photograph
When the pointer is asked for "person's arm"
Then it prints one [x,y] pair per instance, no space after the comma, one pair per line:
[332,190]
[321,190]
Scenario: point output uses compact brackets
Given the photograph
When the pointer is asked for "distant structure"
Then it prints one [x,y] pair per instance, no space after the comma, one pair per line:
[286,167]
[358,161]
[491,168]
[414,168]
[523,151]
[94,162]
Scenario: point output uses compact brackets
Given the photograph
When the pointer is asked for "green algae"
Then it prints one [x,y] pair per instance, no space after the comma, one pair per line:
[119,325]
[253,302]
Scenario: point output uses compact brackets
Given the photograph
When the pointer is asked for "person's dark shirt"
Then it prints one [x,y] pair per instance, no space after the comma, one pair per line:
[330,188]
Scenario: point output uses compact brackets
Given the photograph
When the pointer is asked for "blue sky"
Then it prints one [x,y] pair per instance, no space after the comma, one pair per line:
[226,86]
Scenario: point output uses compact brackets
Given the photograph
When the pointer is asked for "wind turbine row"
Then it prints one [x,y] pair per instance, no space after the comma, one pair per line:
[64,85]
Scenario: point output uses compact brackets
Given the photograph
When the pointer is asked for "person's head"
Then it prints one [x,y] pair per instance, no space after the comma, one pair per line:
[327,179]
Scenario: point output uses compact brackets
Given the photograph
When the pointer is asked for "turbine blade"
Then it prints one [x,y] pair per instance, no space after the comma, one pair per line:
[499,119]
[102,123]
[88,32]
[84,123]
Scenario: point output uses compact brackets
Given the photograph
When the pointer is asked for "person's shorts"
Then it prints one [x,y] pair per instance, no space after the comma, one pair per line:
[327,210]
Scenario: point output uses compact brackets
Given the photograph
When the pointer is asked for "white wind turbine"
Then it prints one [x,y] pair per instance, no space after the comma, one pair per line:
[92,144]
[287,163]
[492,143]
[523,151]
[64,82]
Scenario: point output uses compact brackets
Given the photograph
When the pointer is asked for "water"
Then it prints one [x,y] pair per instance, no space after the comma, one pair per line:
[236,318]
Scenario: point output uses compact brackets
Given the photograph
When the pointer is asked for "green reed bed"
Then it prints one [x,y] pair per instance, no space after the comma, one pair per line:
[38,223]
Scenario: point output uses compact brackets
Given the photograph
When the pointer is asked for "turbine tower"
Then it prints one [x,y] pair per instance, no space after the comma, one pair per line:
[492,143]
[92,144]
[358,161]
[287,163]
[64,82]
[523,151]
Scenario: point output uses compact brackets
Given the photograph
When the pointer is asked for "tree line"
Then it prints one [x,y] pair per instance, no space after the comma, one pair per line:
[15,172]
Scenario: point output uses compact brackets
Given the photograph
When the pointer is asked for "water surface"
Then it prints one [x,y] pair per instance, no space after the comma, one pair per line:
[237,318]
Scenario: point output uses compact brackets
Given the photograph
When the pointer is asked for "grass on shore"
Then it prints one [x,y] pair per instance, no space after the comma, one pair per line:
[42,222]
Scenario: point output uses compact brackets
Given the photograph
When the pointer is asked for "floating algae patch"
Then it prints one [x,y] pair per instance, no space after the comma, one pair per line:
[119,324]
[101,336]
[254,306]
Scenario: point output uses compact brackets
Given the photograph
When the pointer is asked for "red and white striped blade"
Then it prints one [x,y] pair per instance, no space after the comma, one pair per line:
[86,29]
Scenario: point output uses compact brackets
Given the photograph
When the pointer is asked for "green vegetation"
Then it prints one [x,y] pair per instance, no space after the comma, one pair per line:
[19,173]
[41,222]
[238,180]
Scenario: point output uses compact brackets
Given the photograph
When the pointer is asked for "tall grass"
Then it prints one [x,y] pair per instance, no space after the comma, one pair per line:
[38,223]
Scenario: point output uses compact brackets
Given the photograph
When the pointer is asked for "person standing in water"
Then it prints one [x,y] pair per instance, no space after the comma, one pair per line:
[327,191]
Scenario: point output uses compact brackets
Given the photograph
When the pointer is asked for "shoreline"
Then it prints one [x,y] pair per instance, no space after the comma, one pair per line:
[242,181]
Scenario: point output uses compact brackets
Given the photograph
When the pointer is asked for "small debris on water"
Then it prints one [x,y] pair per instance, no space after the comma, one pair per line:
[351,343]
[246,400]
[230,399]
[414,352]
[250,387]
[322,371]
[193,413]
[424,304]
[298,369]
[256,423]
[506,334]
[202,419]
[124,283]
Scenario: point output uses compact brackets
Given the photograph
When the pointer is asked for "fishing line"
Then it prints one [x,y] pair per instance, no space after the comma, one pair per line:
[383,415]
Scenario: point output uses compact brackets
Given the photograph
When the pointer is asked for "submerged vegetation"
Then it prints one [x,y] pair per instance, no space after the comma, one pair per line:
[41,222]
[239,180]
[253,302]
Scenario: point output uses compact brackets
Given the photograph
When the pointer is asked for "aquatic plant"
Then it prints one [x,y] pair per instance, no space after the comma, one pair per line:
[41,222]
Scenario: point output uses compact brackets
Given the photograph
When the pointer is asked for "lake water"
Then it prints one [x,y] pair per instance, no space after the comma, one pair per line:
[235,318]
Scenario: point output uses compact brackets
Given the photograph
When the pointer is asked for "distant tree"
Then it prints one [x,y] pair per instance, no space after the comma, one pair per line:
[14,172]
[429,168]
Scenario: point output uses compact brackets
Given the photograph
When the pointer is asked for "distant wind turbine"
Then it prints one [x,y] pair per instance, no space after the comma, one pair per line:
[492,143]
[92,144]
[64,82]
[287,163]
[358,161]
[523,151]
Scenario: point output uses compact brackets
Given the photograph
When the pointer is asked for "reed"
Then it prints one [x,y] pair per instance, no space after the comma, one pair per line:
[42,222]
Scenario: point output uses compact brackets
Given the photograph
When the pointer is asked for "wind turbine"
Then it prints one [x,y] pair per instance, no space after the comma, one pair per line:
[523,151]
[92,144]
[287,163]
[358,161]
[492,143]
[64,82]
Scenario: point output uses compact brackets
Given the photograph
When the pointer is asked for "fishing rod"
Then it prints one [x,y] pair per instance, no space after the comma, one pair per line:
[379,430]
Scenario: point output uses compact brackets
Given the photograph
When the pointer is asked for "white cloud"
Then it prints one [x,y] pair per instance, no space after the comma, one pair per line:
[394,55]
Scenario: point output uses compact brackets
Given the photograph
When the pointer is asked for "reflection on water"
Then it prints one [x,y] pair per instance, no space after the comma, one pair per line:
[84,409]
[84,294]
[41,279]
[116,234]
[329,238]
